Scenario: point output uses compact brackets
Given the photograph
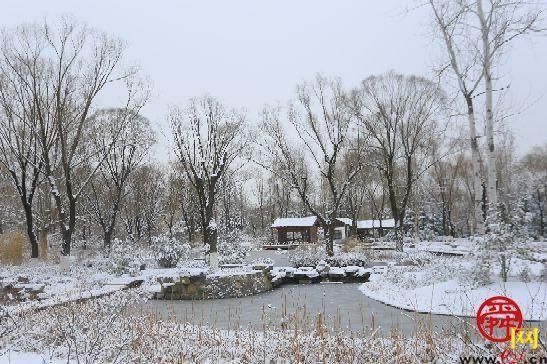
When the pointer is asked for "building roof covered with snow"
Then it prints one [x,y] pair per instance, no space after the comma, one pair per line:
[307,221]
[345,220]
[374,224]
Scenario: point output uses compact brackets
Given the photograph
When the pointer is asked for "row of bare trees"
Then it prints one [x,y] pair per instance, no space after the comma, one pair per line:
[50,81]
[76,163]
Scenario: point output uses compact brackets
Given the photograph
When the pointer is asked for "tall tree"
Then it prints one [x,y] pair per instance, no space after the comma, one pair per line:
[400,114]
[208,140]
[122,138]
[534,165]
[321,123]
[20,151]
[451,20]
[500,23]
[67,67]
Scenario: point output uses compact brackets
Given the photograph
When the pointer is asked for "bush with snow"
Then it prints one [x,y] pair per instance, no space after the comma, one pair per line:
[193,263]
[311,258]
[123,259]
[169,251]
[498,248]
[230,250]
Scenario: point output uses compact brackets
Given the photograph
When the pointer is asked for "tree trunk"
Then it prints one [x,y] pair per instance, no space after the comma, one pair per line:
[490,151]
[399,238]
[67,239]
[504,267]
[492,191]
[30,228]
[478,222]
[211,238]
[29,218]
[42,234]
[330,238]
[67,231]
[209,230]
[107,240]
[541,214]
[84,237]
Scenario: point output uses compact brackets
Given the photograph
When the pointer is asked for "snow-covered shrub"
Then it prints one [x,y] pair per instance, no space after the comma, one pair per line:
[524,274]
[123,259]
[311,258]
[417,258]
[192,263]
[7,322]
[230,250]
[500,245]
[390,235]
[169,251]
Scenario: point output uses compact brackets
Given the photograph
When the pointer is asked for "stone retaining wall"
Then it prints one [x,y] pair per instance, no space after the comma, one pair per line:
[200,287]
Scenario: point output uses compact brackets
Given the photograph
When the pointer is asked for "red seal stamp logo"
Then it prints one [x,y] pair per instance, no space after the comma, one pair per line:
[496,316]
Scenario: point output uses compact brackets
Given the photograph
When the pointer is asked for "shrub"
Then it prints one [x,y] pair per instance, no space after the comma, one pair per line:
[311,258]
[169,251]
[12,246]
[230,250]
[122,258]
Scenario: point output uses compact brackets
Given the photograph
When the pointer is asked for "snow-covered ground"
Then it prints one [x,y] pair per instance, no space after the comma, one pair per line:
[442,285]
[86,281]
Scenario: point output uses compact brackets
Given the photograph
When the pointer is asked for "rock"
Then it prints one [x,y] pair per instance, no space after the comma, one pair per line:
[215,286]
[322,267]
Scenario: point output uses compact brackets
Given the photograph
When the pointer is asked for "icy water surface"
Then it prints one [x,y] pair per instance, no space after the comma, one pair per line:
[343,305]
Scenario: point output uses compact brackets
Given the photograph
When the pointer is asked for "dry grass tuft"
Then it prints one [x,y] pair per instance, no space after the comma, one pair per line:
[12,248]
[349,244]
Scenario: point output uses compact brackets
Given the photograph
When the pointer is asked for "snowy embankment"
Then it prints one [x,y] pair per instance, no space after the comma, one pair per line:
[451,298]
[51,286]
[443,286]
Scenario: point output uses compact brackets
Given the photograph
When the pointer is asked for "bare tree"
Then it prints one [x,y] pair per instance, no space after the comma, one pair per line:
[535,173]
[208,139]
[451,21]
[122,138]
[399,113]
[66,68]
[20,152]
[500,23]
[261,195]
[143,206]
[322,125]
[172,211]
[444,173]
[355,200]
[476,38]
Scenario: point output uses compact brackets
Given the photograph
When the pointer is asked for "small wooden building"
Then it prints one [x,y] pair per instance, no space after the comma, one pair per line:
[374,228]
[342,228]
[292,231]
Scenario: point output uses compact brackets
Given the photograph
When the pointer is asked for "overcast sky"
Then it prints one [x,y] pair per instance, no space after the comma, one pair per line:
[249,53]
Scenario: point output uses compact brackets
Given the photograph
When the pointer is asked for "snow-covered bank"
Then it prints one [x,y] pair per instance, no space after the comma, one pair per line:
[442,285]
[452,298]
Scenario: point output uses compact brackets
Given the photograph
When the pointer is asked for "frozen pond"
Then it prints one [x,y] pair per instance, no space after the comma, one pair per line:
[343,305]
